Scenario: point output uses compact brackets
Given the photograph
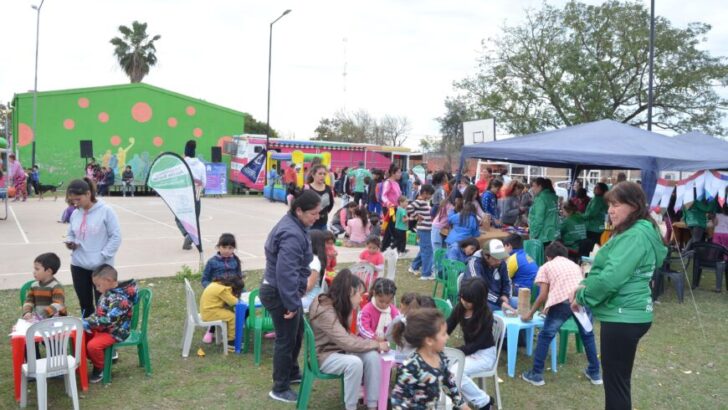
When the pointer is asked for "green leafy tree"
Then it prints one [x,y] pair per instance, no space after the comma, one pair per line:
[253,126]
[582,63]
[135,51]
[360,127]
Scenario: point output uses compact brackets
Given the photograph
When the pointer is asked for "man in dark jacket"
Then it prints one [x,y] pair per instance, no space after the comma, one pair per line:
[287,256]
[489,264]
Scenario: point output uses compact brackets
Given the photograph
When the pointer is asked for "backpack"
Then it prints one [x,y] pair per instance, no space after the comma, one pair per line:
[378,191]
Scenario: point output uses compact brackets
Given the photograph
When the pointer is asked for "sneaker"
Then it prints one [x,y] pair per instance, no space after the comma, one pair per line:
[412,271]
[402,254]
[96,375]
[595,379]
[207,338]
[115,356]
[230,346]
[296,379]
[533,378]
[288,396]
[427,277]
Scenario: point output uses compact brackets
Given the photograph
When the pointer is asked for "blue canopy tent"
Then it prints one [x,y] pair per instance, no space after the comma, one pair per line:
[604,144]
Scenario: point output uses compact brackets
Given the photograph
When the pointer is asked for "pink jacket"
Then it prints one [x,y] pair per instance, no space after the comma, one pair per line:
[368,320]
[390,193]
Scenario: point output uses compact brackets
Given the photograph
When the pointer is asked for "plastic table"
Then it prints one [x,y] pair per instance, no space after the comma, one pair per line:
[386,361]
[17,342]
[513,327]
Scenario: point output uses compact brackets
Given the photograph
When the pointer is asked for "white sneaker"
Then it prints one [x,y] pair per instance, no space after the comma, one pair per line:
[427,278]
[412,271]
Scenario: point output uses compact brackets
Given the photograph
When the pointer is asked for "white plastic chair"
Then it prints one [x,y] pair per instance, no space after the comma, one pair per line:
[499,333]
[363,271]
[55,333]
[456,360]
[194,320]
[390,263]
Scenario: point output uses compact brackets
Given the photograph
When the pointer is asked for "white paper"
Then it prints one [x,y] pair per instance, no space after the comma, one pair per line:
[583,319]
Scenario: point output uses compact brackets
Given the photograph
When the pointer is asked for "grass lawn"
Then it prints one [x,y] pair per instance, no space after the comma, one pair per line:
[676,366]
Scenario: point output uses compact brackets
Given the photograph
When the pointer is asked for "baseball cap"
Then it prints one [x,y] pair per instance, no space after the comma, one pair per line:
[495,248]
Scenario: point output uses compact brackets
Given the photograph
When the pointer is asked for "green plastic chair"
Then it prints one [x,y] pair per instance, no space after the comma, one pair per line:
[258,322]
[137,337]
[443,306]
[24,291]
[452,269]
[311,369]
[439,274]
[569,327]
[411,238]
[534,249]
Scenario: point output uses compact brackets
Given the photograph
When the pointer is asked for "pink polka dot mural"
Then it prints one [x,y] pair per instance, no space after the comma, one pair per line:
[157,141]
[103,117]
[190,110]
[141,112]
[25,134]
[115,140]
[172,122]
[83,102]
[69,124]
[197,132]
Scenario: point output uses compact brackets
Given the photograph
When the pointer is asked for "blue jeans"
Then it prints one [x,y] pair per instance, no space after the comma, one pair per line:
[455,253]
[557,315]
[375,207]
[436,239]
[424,257]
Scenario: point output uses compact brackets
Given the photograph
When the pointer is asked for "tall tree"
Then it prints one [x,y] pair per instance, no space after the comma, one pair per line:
[582,63]
[361,127]
[253,126]
[135,51]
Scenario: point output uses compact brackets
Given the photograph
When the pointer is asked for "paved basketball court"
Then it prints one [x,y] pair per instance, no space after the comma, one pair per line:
[151,243]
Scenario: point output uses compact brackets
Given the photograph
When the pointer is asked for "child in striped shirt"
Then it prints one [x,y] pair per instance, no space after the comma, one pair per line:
[46,297]
[420,211]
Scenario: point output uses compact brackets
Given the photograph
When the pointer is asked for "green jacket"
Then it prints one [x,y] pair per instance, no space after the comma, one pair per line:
[617,288]
[543,217]
[573,230]
[695,215]
[594,214]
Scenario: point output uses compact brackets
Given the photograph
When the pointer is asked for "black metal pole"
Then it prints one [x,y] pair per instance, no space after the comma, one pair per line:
[650,97]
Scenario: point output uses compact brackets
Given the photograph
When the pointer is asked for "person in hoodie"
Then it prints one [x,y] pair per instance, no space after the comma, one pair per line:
[288,256]
[111,320]
[594,214]
[543,217]
[340,352]
[617,289]
[489,264]
[94,237]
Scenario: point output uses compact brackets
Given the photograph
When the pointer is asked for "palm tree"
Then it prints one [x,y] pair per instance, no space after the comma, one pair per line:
[135,51]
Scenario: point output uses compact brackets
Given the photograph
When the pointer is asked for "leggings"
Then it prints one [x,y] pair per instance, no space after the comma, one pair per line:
[85,290]
[619,346]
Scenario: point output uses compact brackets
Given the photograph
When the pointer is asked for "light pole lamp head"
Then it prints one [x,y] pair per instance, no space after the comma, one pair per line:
[286,12]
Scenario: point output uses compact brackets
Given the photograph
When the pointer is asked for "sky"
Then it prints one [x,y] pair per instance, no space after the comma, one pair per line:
[400,57]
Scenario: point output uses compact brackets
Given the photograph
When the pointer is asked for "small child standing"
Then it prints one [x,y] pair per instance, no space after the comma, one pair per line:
[373,255]
[426,372]
[46,297]
[111,322]
[217,300]
[408,303]
[66,215]
[476,323]
[331,252]
[376,316]
[225,263]
[420,211]
[400,226]
[558,279]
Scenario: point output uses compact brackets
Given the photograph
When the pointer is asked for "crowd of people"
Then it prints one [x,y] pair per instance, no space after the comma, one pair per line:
[379,210]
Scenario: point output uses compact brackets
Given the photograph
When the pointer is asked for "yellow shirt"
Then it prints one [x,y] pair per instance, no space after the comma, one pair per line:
[216,297]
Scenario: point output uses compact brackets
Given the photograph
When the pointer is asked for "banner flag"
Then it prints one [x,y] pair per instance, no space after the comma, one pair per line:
[216,178]
[252,169]
[171,178]
[707,184]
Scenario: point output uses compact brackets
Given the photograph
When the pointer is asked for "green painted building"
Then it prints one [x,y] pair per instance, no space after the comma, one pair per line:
[129,124]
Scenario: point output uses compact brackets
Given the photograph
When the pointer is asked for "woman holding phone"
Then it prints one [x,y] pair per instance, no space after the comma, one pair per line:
[93,237]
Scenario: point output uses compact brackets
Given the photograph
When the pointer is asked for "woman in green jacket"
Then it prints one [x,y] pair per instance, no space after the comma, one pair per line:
[543,218]
[617,289]
[594,213]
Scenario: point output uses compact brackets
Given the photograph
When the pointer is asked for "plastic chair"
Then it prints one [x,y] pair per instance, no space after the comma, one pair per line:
[194,320]
[411,238]
[363,271]
[456,359]
[443,306]
[499,333]
[311,370]
[708,255]
[55,333]
[24,291]
[390,263]
[439,257]
[259,322]
[534,249]
[452,269]
[569,327]
[137,336]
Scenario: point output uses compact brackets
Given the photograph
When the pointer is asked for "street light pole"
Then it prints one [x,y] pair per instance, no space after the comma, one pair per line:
[35,85]
[267,115]
[651,80]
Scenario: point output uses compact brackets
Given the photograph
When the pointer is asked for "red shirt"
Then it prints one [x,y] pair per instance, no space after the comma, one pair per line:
[375,259]
[289,176]
[482,185]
